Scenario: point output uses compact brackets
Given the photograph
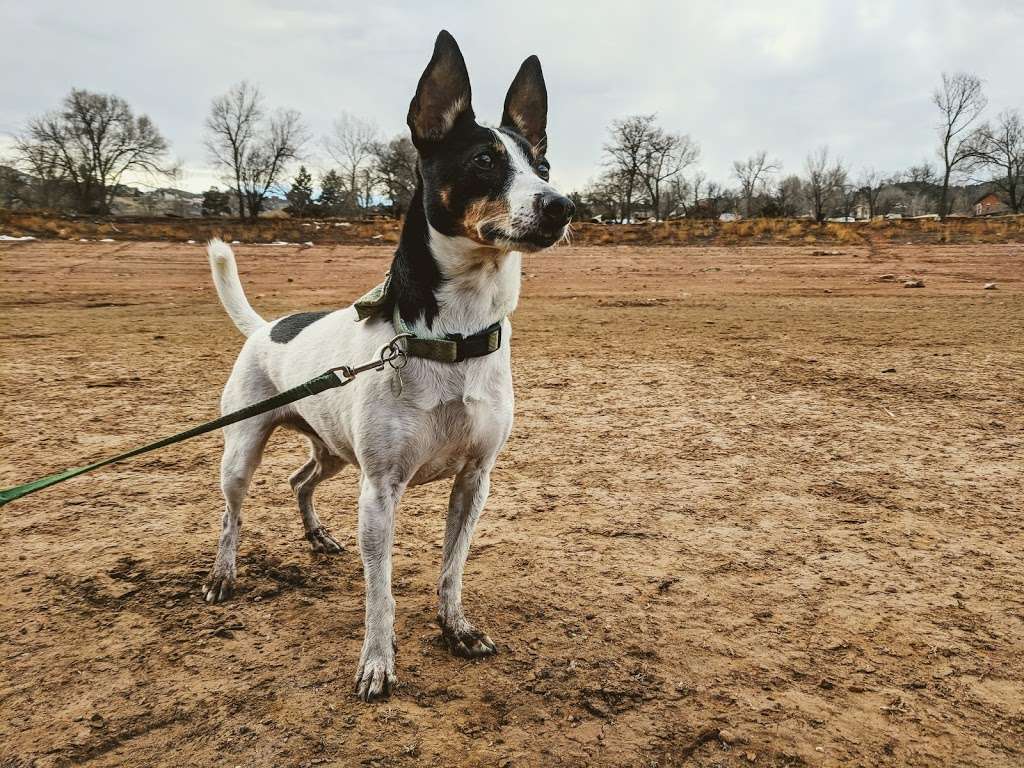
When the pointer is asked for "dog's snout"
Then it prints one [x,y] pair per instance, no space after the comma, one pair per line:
[556,211]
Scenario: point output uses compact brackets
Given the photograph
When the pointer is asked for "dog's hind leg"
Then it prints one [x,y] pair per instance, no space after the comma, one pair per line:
[321,466]
[243,449]
[469,493]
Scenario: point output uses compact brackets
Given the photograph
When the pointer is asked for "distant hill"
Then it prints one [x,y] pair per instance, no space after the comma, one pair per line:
[16,186]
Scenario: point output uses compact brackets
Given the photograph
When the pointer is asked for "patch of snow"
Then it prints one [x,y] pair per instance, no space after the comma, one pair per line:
[16,239]
[235,242]
[107,240]
[308,243]
[83,239]
[191,242]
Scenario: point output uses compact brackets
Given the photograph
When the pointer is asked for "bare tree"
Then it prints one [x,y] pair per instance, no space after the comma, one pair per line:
[696,185]
[89,145]
[640,157]
[787,196]
[664,157]
[266,163]
[395,171]
[716,201]
[846,198]
[13,186]
[753,174]
[44,165]
[1000,147]
[351,145]
[254,150]
[676,198]
[869,188]
[824,182]
[920,185]
[624,157]
[922,175]
[960,102]
[232,131]
[605,196]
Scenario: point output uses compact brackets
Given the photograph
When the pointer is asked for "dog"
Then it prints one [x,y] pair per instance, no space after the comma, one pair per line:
[482,200]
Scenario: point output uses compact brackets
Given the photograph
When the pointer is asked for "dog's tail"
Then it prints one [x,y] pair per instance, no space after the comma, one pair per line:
[229,288]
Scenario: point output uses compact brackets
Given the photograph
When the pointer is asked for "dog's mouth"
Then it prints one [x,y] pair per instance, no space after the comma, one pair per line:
[535,240]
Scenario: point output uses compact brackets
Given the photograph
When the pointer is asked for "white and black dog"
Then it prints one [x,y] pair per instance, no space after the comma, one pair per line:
[482,199]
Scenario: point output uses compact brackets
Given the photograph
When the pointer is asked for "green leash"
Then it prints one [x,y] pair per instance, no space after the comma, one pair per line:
[335,377]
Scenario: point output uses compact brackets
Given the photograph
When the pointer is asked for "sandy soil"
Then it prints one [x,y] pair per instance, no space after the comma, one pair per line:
[760,507]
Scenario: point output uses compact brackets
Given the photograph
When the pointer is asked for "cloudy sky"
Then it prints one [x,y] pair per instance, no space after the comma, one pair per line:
[784,76]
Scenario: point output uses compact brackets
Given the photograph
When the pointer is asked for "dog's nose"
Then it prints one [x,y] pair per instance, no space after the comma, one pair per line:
[556,211]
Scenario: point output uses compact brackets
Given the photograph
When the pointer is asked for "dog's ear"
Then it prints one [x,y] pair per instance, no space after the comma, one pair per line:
[443,96]
[526,105]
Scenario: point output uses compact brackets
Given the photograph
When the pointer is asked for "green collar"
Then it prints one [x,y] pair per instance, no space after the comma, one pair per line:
[453,348]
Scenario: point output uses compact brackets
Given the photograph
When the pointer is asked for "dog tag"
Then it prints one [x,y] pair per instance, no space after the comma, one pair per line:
[397,386]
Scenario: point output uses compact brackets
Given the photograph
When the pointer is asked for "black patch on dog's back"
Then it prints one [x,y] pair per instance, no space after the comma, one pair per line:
[287,328]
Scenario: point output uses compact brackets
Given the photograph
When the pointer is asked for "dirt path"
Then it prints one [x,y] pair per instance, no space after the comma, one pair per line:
[759,508]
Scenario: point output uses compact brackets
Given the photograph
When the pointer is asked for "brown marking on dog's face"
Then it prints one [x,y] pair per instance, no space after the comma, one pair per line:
[445,195]
[484,211]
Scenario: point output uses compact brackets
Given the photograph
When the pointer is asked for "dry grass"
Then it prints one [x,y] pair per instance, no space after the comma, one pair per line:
[44,225]
[684,232]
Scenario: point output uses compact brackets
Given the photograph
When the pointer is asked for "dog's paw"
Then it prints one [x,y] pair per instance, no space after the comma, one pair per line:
[468,642]
[219,585]
[376,675]
[320,540]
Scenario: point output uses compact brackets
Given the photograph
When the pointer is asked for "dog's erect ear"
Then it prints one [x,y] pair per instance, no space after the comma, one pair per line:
[443,96]
[526,105]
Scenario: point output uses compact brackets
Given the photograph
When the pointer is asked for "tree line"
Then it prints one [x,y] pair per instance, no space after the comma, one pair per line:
[77,157]
[651,173]
[252,147]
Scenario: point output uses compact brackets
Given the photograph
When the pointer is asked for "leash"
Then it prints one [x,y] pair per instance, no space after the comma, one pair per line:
[338,376]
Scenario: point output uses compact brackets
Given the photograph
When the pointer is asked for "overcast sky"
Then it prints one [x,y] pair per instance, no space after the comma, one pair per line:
[784,76]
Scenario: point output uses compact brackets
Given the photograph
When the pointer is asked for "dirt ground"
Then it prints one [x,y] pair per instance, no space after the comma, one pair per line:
[760,507]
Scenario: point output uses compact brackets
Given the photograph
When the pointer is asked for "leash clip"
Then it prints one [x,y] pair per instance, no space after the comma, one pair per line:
[393,351]
[388,354]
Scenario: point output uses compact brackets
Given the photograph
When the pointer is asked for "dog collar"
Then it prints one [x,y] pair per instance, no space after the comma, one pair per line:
[453,348]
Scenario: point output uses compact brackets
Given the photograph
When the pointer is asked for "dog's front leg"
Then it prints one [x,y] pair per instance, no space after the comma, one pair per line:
[469,493]
[378,500]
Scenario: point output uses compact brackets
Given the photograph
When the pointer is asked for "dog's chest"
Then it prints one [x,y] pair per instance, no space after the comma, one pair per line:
[459,418]
[458,434]
[428,384]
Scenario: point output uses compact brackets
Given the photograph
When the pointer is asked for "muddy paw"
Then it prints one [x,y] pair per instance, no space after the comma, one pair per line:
[320,540]
[376,675]
[219,585]
[470,643]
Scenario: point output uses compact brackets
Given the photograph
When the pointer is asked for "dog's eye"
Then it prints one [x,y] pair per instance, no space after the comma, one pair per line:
[543,169]
[484,160]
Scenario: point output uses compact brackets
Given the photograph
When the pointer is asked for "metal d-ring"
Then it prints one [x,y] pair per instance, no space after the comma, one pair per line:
[396,352]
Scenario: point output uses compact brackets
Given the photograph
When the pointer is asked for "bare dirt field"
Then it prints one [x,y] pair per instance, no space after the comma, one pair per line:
[760,507]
